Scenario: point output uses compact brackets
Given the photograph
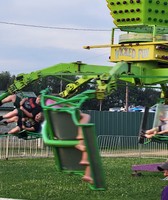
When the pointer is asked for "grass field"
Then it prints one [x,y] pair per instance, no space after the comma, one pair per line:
[37,179]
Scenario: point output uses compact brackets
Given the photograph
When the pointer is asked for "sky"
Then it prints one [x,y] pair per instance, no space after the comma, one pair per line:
[25,49]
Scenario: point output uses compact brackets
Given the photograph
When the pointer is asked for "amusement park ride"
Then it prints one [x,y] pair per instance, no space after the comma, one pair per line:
[141,58]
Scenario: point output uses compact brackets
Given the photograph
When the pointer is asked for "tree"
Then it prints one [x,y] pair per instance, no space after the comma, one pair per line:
[137,95]
[5,79]
[57,83]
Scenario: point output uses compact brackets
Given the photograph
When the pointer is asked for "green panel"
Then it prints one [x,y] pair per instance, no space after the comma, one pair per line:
[70,158]
[94,158]
[119,123]
[60,130]
[139,12]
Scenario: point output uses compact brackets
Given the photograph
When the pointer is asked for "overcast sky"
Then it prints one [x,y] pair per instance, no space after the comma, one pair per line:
[25,49]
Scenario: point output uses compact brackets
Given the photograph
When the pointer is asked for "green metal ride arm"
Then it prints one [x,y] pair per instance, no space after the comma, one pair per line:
[77,68]
[106,82]
[104,76]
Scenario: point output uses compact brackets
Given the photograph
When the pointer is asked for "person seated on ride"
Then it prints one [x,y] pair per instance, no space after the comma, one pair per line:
[27,124]
[30,105]
[159,130]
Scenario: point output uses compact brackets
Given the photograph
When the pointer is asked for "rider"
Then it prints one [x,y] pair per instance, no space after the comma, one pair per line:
[161,129]
[29,124]
[26,107]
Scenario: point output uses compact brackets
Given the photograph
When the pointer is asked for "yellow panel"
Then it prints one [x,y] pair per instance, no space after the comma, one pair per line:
[139,52]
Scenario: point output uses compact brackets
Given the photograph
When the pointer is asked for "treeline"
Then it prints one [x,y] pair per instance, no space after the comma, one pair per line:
[136,95]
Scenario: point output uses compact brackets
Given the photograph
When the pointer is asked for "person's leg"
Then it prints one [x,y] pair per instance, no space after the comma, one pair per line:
[14,130]
[10,98]
[9,115]
[149,136]
[87,177]
[12,119]
[84,160]
[152,131]
[84,119]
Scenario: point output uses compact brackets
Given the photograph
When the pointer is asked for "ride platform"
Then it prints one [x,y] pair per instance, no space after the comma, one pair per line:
[137,169]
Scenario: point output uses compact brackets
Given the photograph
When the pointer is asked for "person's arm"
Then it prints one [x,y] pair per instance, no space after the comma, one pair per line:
[84,118]
[24,119]
[28,129]
[162,132]
[163,119]
[28,114]
[22,101]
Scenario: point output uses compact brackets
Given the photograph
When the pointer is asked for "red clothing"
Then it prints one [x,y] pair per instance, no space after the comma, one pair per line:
[31,106]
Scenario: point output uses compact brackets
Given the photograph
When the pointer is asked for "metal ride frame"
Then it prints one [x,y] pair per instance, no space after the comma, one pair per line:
[141,56]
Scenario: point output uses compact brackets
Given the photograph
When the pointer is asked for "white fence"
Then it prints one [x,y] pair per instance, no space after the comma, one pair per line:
[128,146]
[109,146]
[12,147]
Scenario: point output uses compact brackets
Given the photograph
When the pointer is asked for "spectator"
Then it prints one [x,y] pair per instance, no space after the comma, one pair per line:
[164,195]
[164,168]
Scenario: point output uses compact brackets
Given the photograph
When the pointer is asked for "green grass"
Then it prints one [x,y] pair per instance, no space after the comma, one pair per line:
[37,179]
